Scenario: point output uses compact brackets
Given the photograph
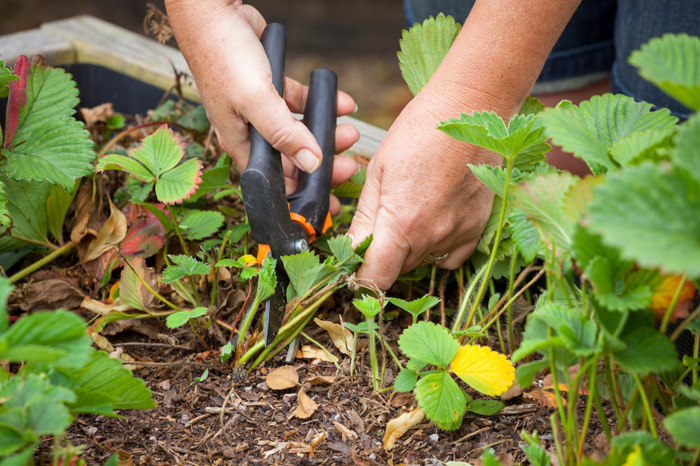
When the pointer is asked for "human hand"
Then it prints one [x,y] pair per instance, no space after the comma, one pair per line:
[420,197]
[220,40]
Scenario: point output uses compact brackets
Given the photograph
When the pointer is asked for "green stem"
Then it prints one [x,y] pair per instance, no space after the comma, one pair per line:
[557,393]
[587,415]
[246,323]
[290,324]
[198,303]
[684,324]
[148,287]
[696,350]
[466,298]
[212,300]
[199,337]
[647,407]
[393,355]
[603,418]
[510,301]
[373,355]
[612,389]
[511,337]
[177,230]
[352,356]
[42,262]
[496,242]
[33,241]
[333,359]
[672,305]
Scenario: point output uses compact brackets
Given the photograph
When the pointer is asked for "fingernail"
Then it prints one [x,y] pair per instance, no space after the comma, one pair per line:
[352,240]
[306,160]
[356,109]
[359,169]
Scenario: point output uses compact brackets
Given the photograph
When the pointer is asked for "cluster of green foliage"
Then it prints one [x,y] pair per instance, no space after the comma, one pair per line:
[61,376]
[607,242]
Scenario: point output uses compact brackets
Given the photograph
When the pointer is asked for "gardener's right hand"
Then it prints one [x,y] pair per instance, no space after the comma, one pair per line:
[220,40]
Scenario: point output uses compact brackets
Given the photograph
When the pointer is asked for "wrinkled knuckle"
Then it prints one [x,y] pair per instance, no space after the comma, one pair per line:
[282,137]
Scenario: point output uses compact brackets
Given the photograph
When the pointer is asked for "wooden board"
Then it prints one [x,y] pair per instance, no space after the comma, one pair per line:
[85,39]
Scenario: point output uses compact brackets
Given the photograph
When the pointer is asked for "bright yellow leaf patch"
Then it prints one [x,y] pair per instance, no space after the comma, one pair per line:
[484,370]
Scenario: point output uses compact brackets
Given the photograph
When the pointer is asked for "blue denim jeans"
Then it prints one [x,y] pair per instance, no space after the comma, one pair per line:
[597,42]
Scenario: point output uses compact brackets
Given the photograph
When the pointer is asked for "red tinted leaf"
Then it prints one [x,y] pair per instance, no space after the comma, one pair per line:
[145,235]
[17,98]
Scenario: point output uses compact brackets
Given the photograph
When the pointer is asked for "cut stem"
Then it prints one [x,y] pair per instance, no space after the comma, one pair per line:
[41,262]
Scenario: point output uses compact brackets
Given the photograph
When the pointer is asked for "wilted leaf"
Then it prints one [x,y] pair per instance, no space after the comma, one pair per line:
[112,233]
[145,235]
[97,114]
[98,307]
[664,292]
[50,294]
[321,380]
[400,425]
[282,378]
[341,336]
[131,290]
[314,352]
[306,407]
[544,398]
[483,369]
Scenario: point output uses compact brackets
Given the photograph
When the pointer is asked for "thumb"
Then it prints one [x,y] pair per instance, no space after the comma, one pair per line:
[269,114]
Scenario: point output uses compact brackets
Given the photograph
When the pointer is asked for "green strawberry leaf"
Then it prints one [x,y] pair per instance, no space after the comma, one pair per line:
[42,139]
[527,240]
[4,213]
[341,248]
[267,280]
[650,214]
[185,266]
[442,400]
[485,407]
[671,62]
[405,381]
[129,165]
[349,189]
[430,343]
[200,224]
[684,426]
[417,306]
[180,318]
[6,77]
[423,47]
[215,178]
[685,152]
[368,306]
[523,135]
[590,130]
[176,185]
[645,349]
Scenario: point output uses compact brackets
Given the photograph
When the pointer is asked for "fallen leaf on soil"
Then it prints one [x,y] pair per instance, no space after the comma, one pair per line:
[51,294]
[85,203]
[400,399]
[400,425]
[102,343]
[98,307]
[548,381]
[316,441]
[111,234]
[544,398]
[321,380]
[97,114]
[313,352]
[664,292]
[514,391]
[341,336]
[282,378]
[305,405]
[349,433]
[131,290]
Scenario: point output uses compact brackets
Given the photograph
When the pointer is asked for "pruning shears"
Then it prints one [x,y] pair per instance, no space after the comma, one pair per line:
[285,225]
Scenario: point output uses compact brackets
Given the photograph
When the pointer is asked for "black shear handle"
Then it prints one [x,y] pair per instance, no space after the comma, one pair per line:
[312,197]
[262,182]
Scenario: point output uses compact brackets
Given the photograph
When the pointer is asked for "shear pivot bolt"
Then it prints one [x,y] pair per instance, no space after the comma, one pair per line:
[301,245]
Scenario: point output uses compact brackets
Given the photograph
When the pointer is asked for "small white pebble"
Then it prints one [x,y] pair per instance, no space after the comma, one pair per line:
[247,389]
[372,457]
[434,437]
[92,430]
[152,438]
[336,417]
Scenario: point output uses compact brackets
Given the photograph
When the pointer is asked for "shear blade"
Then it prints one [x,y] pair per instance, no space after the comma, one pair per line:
[275,306]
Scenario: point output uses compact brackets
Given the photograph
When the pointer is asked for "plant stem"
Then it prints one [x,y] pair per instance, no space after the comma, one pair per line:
[393,355]
[373,355]
[587,415]
[511,337]
[603,417]
[352,356]
[465,299]
[197,302]
[246,323]
[333,359]
[647,407]
[510,301]
[199,337]
[496,242]
[38,243]
[212,299]
[41,262]
[557,393]
[672,305]
[696,350]
[684,324]
[148,287]
[177,230]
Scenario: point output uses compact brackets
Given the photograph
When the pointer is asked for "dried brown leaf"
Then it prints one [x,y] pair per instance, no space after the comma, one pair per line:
[50,294]
[316,441]
[111,234]
[544,398]
[102,343]
[514,391]
[321,380]
[314,352]
[282,378]
[85,203]
[98,307]
[131,290]
[342,337]
[400,425]
[305,405]
[348,433]
[97,114]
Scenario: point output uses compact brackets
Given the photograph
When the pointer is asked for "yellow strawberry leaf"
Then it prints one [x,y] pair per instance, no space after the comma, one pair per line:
[484,370]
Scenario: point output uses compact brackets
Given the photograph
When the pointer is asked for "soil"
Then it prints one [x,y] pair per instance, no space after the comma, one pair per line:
[259,427]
